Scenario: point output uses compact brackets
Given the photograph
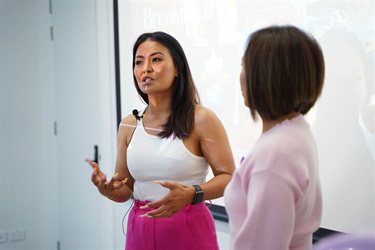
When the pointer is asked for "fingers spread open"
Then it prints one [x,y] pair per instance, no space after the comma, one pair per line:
[120,184]
[112,181]
[102,181]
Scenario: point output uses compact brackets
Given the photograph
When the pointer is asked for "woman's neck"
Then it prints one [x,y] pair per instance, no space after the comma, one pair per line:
[159,106]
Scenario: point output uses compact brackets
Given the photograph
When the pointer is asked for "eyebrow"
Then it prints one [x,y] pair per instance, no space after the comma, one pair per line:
[152,54]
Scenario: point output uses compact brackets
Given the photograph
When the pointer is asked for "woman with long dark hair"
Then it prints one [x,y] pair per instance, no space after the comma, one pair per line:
[164,154]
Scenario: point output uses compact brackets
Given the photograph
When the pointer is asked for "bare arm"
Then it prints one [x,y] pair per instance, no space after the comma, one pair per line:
[216,149]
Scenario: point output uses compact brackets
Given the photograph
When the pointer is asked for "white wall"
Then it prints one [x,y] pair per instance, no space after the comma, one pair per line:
[28,144]
[45,185]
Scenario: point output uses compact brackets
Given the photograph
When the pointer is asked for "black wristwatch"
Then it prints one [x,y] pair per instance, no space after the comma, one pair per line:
[198,196]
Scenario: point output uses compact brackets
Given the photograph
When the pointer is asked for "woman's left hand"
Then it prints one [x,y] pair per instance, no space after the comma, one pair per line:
[176,199]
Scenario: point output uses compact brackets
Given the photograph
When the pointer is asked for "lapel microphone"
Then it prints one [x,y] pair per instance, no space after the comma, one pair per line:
[135,113]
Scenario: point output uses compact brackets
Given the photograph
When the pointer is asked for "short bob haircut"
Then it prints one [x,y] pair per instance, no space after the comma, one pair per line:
[184,93]
[284,70]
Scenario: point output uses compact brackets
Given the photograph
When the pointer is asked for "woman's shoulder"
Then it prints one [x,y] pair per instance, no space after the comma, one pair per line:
[127,127]
[128,120]
[204,114]
[206,120]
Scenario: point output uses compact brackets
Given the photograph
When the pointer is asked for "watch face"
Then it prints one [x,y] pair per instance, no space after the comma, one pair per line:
[199,193]
[198,196]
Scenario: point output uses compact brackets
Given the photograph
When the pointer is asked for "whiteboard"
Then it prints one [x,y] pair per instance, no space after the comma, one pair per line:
[213,35]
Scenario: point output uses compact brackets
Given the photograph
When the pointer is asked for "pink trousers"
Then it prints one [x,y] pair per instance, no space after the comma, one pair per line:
[192,228]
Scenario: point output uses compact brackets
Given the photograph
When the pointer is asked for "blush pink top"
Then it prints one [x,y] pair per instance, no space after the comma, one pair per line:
[274,199]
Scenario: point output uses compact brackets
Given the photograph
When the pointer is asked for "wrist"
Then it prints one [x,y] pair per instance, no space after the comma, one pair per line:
[198,195]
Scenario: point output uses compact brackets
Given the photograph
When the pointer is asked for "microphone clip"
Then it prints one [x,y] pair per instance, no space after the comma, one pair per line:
[136,115]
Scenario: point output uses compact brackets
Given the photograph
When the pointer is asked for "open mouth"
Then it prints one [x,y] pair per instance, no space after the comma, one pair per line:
[146,79]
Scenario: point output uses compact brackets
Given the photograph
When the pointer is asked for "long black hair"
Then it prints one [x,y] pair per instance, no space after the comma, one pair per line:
[184,93]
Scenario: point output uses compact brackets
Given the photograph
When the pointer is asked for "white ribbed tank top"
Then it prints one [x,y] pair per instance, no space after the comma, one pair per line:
[151,158]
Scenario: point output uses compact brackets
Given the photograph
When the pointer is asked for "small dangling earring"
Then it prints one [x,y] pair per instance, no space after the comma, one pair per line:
[175,75]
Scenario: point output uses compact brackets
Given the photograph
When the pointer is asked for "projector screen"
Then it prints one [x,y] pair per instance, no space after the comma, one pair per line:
[213,35]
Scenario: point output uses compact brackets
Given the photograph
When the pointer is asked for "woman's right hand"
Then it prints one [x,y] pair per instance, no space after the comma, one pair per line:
[109,189]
